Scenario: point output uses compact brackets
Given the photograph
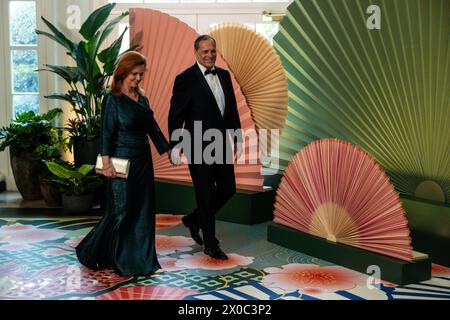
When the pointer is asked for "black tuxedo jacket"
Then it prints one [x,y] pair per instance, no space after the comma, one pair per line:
[192,100]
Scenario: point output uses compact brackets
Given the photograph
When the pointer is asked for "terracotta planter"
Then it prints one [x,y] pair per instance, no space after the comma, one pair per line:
[51,194]
[26,175]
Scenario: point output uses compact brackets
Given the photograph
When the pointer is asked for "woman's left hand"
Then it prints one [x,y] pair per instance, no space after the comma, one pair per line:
[110,172]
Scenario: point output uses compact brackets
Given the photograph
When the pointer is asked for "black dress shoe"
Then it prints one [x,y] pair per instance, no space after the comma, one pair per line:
[216,253]
[193,229]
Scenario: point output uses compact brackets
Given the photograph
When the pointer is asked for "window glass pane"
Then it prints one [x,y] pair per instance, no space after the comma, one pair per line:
[22,103]
[22,23]
[24,62]
[267,30]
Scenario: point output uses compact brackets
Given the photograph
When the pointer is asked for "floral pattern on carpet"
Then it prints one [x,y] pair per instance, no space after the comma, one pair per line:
[38,261]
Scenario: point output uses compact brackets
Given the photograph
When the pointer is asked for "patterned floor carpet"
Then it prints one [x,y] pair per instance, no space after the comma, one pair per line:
[37,261]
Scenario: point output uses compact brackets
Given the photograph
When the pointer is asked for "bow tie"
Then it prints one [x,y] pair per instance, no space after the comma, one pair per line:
[213,72]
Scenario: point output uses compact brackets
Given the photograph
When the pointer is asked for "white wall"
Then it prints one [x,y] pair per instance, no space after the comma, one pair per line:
[201,15]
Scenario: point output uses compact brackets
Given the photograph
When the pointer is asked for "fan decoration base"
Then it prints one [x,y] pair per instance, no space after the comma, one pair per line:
[246,207]
[429,223]
[392,270]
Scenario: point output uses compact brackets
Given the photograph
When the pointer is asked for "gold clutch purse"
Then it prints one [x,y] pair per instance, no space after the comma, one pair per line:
[121,165]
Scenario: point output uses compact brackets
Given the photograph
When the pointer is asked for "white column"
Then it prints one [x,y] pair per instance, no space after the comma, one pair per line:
[5,114]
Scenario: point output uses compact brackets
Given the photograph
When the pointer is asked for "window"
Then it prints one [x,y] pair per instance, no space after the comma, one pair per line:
[23,56]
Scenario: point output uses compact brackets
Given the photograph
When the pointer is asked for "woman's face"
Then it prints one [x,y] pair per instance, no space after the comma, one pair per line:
[134,77]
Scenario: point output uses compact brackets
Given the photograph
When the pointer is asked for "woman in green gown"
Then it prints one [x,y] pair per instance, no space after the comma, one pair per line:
[124,239]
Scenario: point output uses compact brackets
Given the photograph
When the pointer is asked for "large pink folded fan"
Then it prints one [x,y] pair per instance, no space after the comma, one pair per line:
[337,191]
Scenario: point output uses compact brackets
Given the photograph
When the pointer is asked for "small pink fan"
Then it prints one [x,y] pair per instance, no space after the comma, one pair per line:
[334,190]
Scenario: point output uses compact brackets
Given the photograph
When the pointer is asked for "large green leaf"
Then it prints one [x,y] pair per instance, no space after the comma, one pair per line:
[70,74]
[102,34]
[25,117]
[51,114]
[111,53]
[61,184]
[86,168]
[78,97]
[57,36]
[61,96]
[83,60]
[110,66]
[95,84]
[62,172]
[95,21]
[90,60]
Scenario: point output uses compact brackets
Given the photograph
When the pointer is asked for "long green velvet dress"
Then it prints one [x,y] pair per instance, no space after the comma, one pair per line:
[124,239]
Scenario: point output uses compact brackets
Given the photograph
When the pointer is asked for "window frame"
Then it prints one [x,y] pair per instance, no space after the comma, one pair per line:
[6,75]
[14,47]
[6,89]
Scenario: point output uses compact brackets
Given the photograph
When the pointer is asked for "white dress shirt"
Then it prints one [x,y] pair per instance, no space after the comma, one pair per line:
[215,86]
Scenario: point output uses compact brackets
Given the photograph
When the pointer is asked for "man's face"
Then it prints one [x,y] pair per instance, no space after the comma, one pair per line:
[206,54]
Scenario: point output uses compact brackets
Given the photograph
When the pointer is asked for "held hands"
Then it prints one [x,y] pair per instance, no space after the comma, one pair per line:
[175,157]
[237,151]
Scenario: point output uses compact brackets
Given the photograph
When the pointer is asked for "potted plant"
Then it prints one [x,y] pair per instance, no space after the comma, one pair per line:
[88,79]
[26,132]
[51,152]
[76,185]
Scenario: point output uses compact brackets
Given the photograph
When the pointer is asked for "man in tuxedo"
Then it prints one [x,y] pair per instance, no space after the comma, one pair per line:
[203,99]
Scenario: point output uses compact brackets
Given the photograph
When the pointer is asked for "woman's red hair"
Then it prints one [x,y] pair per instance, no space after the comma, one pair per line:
[127,63]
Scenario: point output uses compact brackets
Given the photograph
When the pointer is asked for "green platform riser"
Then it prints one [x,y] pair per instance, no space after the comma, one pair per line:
[243,208]
[430,228]
[392,270]
[429,222]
